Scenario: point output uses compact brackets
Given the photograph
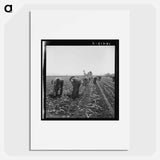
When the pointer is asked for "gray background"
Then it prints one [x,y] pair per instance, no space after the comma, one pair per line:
[142,82]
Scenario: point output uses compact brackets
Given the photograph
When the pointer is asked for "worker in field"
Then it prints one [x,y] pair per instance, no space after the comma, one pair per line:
[90,75]
[95,79]
[76,83]
[85,81]
[57,87]
[99,78]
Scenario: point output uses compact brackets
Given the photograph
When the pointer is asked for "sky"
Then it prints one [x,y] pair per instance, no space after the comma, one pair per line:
[72,60]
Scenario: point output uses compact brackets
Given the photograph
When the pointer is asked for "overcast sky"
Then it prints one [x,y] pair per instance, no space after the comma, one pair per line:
[72,60]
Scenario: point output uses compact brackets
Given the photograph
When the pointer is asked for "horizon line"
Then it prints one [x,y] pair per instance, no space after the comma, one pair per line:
[75,74]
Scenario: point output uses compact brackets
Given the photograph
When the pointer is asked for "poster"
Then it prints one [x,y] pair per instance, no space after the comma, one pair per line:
[79,76]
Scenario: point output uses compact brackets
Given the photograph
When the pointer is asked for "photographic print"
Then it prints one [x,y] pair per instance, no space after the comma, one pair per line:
[79,79]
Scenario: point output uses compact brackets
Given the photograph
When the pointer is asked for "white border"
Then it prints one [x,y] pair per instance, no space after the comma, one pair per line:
[79,135]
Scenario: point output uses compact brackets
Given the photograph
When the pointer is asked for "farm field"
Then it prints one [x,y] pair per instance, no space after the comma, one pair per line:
[95,101]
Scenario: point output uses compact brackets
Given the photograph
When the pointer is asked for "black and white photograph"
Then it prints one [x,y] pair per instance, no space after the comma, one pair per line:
[80,79]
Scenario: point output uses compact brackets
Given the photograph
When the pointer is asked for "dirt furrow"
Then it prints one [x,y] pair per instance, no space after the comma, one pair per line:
[108,105]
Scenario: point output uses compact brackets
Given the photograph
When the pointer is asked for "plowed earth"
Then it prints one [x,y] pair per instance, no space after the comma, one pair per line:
[90,103]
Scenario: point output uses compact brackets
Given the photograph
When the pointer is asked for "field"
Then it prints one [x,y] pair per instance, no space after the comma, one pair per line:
[95,101]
